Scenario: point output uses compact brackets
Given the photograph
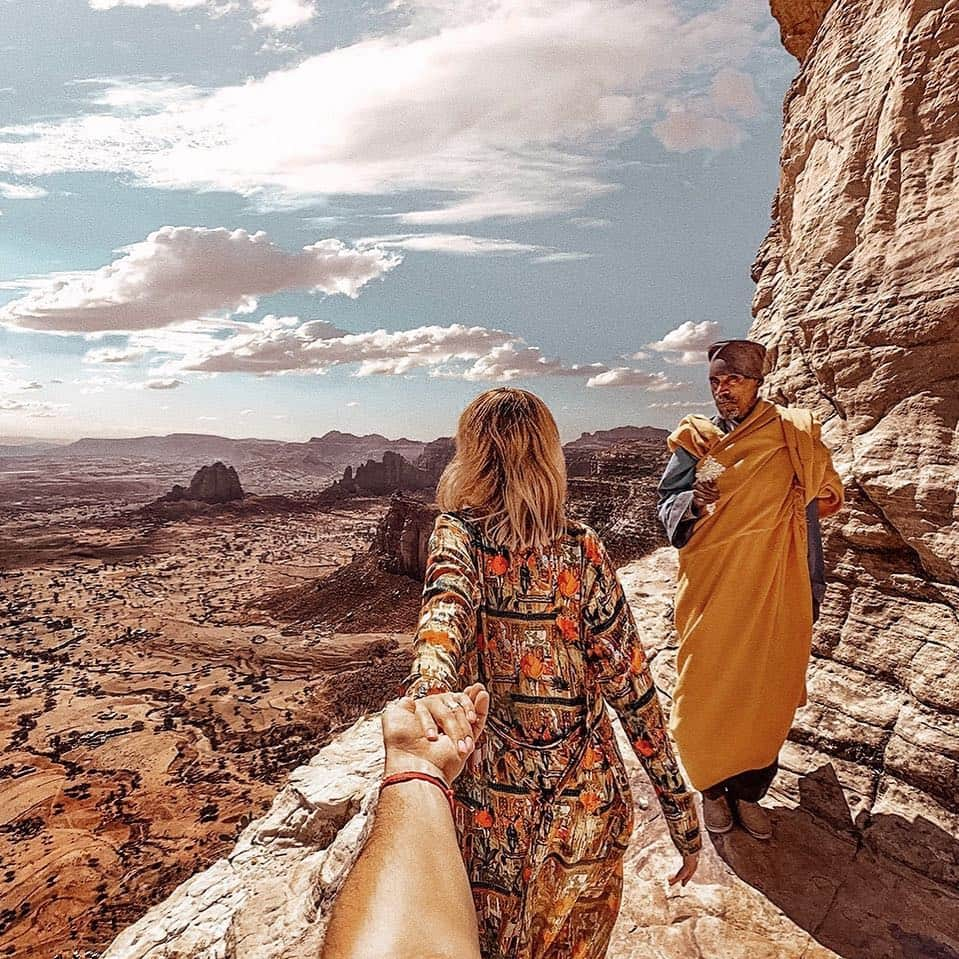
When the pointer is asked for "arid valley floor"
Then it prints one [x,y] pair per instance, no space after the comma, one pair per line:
[146,712]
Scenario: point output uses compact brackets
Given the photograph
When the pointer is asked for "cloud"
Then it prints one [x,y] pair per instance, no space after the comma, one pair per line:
[562,257]
[627,376]
[507,108]
[177,5]
[113,355]
[282,14]
[462,244]
[686,345]
[10,401]
[734,91]
[455,243]
[516,361]
[690,129]
[35,410]
[21,191]
[183,273]
[162,384]
[276,345]
[711,122]
[269,14]
[590,222]
[680,405]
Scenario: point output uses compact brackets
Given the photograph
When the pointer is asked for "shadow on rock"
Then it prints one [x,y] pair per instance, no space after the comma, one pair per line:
[838,880]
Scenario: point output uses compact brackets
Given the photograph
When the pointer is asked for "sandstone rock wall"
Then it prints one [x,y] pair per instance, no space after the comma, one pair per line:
[858,297]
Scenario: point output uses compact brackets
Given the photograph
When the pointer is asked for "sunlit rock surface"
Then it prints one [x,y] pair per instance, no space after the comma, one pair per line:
[858,295]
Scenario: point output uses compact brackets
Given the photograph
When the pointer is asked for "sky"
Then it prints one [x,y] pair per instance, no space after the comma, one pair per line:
[275,218]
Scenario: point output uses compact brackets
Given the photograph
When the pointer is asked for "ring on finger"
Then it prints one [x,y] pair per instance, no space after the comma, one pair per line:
[453,704]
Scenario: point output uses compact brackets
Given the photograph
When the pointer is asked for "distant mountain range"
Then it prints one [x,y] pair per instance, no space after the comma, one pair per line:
[621,434]
[329,453]
[332,451]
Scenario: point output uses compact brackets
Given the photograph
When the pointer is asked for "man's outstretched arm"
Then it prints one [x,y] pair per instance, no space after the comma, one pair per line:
[408,895]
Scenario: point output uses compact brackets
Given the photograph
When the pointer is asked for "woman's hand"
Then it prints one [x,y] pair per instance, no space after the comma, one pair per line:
[409,746]
[690,864]
[453,715]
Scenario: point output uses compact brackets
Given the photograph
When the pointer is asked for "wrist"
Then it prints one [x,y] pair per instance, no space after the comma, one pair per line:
[398,761]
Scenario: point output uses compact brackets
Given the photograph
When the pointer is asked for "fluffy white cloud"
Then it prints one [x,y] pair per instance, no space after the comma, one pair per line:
[686,345]
[10,395]
[277,345]
[507,108]
[627,376]
[184,273]
[735,92]
[712,121]
[21,191]
[282,14]
[516,361]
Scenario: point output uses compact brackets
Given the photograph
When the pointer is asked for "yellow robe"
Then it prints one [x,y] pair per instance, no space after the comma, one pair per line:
[744,602]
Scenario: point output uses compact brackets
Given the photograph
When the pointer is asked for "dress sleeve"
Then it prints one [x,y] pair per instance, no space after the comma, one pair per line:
[447,622]
[675,507]
[619,661]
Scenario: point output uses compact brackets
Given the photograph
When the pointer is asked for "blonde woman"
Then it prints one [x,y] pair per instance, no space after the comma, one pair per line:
[527,602]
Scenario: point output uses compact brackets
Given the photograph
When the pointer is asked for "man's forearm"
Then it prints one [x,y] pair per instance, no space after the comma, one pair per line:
[408,896]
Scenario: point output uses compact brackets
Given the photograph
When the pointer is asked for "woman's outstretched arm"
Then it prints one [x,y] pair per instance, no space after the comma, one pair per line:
[614,649]
[408,896]
[447,622]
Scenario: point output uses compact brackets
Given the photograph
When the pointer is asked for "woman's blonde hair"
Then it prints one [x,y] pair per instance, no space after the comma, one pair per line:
[508,469]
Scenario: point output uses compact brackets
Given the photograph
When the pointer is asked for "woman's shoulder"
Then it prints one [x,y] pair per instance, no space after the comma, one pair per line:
[458,523]
[583,537]
[577,531]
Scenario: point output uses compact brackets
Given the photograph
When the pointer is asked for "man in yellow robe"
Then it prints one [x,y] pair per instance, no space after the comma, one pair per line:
[741,498]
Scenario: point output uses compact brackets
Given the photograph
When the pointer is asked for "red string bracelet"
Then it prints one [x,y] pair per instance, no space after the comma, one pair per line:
[426,777]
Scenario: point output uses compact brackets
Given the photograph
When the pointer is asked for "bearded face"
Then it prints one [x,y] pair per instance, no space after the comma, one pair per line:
[734,394]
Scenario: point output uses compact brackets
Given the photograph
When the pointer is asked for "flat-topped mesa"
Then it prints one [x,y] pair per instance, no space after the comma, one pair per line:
[217,483]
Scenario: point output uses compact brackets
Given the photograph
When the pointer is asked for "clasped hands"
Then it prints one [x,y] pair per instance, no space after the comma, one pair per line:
[435,734]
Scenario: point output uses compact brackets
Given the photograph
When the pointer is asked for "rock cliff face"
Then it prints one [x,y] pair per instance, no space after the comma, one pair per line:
[403,535]
[858,297]
[388,475]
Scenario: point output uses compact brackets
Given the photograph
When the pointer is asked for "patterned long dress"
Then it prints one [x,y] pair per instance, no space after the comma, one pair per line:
[543,823]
